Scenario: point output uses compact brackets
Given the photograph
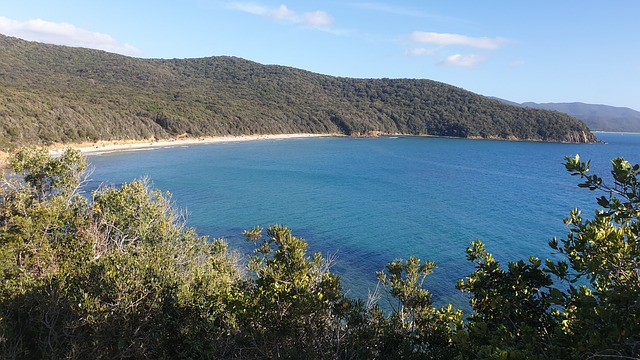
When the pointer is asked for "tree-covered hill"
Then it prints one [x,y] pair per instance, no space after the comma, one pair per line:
[51,93]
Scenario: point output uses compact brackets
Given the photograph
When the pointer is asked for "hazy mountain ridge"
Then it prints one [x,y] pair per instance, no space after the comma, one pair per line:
[597,117]
[52,93]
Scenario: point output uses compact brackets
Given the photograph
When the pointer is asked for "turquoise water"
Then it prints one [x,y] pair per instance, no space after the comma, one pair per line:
[368,201]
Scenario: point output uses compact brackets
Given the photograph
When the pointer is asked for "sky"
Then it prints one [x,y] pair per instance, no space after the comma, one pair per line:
[541,51]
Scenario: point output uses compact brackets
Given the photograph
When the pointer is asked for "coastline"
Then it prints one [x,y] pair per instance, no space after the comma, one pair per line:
[109,146]
[116,146]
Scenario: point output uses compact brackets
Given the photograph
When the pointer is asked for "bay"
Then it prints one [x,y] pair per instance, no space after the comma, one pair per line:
[368,201]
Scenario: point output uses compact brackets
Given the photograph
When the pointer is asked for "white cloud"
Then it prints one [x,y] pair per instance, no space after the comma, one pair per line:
[315,19]
[63,34]
[423,37]
[420,52]
[463,60]
[283,13]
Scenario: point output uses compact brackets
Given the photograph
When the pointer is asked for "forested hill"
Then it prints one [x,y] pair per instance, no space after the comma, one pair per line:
[51,93]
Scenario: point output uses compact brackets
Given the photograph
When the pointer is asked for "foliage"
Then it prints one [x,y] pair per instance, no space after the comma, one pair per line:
[119,275]
[294,303]
[602,315]
[416,329]
[47,175]
[591,311]
[115,278]
[52,94]
[511,316]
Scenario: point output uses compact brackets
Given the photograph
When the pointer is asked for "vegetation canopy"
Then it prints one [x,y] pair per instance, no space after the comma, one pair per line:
[119,275]
[56,94]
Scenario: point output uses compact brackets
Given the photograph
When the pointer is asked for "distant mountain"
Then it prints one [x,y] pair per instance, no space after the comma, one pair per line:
[597,117]
[52,93]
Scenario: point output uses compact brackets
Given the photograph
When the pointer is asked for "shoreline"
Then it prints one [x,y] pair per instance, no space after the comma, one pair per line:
[110,146]
[102,147]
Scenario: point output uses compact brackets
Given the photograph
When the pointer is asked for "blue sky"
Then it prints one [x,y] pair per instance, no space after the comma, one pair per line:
[542,51]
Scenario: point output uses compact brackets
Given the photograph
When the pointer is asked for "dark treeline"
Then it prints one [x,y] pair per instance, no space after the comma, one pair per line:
[52,93]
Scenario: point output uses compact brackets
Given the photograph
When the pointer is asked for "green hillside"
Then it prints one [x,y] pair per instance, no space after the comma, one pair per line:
[52,93]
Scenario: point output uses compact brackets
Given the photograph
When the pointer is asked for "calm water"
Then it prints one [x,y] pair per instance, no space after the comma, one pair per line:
[369,201]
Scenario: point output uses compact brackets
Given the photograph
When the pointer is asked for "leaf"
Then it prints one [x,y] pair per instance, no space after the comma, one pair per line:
[557,296]
[603,201]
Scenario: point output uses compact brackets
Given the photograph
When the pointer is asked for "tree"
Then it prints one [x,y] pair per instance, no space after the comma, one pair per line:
[41,240]
[601,308]
[118,277]
[511,316]
[294,302]
[47,175]
[590,310]
[416,329]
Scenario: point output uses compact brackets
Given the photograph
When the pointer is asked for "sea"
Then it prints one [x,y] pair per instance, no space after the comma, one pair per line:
[363,202]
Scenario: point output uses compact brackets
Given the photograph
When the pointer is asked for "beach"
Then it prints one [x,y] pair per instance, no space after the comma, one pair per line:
[113,146]
[104,146]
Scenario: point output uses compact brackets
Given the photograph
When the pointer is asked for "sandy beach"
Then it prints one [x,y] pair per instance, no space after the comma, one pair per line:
[113,146]
[101,147]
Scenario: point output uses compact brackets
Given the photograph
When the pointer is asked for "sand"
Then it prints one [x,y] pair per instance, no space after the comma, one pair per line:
[113,146]
[101,147]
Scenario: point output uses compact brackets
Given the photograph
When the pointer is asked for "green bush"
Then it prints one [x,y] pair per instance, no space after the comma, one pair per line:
[119,275]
